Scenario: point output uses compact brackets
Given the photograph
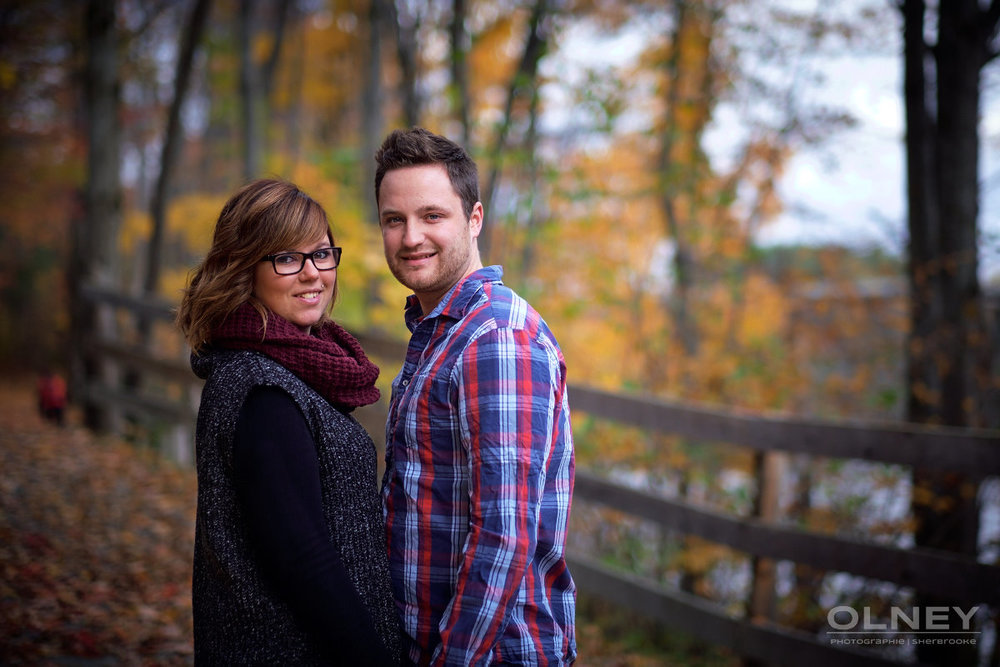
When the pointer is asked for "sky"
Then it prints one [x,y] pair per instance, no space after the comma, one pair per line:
[851,189]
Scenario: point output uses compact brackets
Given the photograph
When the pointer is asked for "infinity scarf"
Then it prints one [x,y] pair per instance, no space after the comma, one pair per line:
[329,359]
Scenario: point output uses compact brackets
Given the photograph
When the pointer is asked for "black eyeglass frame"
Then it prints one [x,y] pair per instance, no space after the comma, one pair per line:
[337,252]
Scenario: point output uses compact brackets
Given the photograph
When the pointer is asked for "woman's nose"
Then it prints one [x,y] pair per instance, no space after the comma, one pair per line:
[309,270]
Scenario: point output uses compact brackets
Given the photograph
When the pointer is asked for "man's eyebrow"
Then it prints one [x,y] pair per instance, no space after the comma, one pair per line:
[423,210]
[429,208]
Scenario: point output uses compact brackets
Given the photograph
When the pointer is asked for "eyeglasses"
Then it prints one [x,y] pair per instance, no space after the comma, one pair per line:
[290,263]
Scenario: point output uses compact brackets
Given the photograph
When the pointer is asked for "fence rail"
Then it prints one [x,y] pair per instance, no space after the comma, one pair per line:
[935,572]
[974,453]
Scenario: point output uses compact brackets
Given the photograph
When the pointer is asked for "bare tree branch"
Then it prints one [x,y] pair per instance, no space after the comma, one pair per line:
[173,140]
[523,81]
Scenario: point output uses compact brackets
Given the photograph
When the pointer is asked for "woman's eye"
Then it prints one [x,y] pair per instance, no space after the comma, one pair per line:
[321,254]
[285,259]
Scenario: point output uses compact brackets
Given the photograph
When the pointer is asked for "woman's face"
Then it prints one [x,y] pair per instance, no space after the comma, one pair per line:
[301,298]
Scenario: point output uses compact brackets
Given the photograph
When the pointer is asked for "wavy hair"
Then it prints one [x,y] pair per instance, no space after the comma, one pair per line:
[263,217]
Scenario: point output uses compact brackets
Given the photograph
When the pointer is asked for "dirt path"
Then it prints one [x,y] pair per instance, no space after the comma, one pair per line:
[96,539]
[95,546]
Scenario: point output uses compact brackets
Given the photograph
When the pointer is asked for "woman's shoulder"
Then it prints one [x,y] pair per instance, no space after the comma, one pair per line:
[226,365]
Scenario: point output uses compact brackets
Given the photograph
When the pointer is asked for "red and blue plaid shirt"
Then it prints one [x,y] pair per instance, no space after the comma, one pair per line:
[478,482]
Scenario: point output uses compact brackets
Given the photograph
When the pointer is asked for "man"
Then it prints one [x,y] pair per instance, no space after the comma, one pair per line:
[479,454]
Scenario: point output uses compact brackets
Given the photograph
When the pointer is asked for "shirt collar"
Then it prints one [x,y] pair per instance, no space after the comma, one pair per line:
[456,300]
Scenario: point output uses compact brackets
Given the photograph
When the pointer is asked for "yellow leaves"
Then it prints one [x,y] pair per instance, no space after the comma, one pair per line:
[766,312]
[700,556]
[173,282]
[8,75]
[494,57]
[328,48]
[136,228]
[824,520]
[191,217]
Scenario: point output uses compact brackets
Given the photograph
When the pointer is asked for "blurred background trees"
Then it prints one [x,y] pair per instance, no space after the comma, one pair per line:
[625,196]
[126,124]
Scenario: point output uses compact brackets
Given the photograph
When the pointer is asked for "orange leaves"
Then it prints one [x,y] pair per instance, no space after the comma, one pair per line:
[494,57]
[96,540]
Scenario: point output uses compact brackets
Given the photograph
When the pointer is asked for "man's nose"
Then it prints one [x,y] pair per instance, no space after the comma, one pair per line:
[413,233]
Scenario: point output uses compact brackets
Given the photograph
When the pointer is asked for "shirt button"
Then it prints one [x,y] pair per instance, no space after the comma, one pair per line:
[405,382]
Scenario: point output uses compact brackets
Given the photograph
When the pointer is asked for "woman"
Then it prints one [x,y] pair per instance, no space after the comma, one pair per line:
[290,563]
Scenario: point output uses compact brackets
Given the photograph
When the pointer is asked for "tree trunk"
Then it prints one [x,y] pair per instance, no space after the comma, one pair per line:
[103,197]
[460,68]
[281,19]
[372,114]
[249,91]
[523,83]
[948,338]
[405,26]
[538,211]
[265,78]
[92,255]
[683,262]
[922,381]
[173,141]
[373,121]
[293,125]
[960,57]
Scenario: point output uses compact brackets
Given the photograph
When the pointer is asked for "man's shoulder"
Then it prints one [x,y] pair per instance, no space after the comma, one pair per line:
[500,308]
[501,304]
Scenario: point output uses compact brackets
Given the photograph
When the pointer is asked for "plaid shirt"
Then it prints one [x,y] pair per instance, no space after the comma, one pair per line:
[478,481]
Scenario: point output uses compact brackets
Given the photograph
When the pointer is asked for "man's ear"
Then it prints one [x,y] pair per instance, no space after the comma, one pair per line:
[476,220]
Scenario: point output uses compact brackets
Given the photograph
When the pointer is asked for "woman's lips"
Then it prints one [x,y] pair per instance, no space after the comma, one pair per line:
[309,296]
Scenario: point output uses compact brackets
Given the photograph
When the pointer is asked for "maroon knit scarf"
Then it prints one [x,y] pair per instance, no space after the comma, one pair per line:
[329,360]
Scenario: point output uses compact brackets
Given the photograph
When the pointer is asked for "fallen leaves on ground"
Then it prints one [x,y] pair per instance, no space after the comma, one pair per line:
[96,538]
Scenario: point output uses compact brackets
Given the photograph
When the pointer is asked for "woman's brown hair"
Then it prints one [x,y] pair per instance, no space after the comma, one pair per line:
[263,217]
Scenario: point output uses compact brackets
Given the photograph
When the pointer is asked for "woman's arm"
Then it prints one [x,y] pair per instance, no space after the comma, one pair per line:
[278,487]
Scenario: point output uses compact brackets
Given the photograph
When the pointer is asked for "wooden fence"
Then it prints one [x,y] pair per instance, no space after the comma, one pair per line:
[172,399]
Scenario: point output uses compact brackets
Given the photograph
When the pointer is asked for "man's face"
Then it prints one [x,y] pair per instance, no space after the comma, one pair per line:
[429,243]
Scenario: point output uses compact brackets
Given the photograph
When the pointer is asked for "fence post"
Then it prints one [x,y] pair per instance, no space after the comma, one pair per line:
[769,469]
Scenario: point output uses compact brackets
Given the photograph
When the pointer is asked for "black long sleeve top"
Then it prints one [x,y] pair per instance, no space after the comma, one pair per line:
[277,481]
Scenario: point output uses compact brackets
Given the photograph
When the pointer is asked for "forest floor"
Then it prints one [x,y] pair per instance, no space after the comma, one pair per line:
[96,537]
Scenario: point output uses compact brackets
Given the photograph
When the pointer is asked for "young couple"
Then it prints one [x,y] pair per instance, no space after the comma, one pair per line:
[297,558]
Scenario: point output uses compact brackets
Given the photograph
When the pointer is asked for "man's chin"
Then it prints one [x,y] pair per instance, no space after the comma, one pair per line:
[414,279]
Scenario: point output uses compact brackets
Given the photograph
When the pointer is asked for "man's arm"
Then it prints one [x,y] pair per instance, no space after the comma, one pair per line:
[507,392]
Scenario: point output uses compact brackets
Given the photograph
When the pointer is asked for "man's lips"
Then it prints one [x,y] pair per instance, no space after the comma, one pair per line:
[417,258]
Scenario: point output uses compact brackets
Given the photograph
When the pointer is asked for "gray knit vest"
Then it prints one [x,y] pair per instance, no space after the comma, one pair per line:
[237,618]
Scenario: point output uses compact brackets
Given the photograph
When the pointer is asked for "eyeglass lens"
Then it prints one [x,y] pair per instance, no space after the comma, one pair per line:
[324,259]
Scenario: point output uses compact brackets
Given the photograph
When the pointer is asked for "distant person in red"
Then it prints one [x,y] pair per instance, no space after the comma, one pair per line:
[52,396]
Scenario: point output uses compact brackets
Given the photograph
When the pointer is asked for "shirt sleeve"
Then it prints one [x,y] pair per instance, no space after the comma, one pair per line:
[278,488]
[507,393]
